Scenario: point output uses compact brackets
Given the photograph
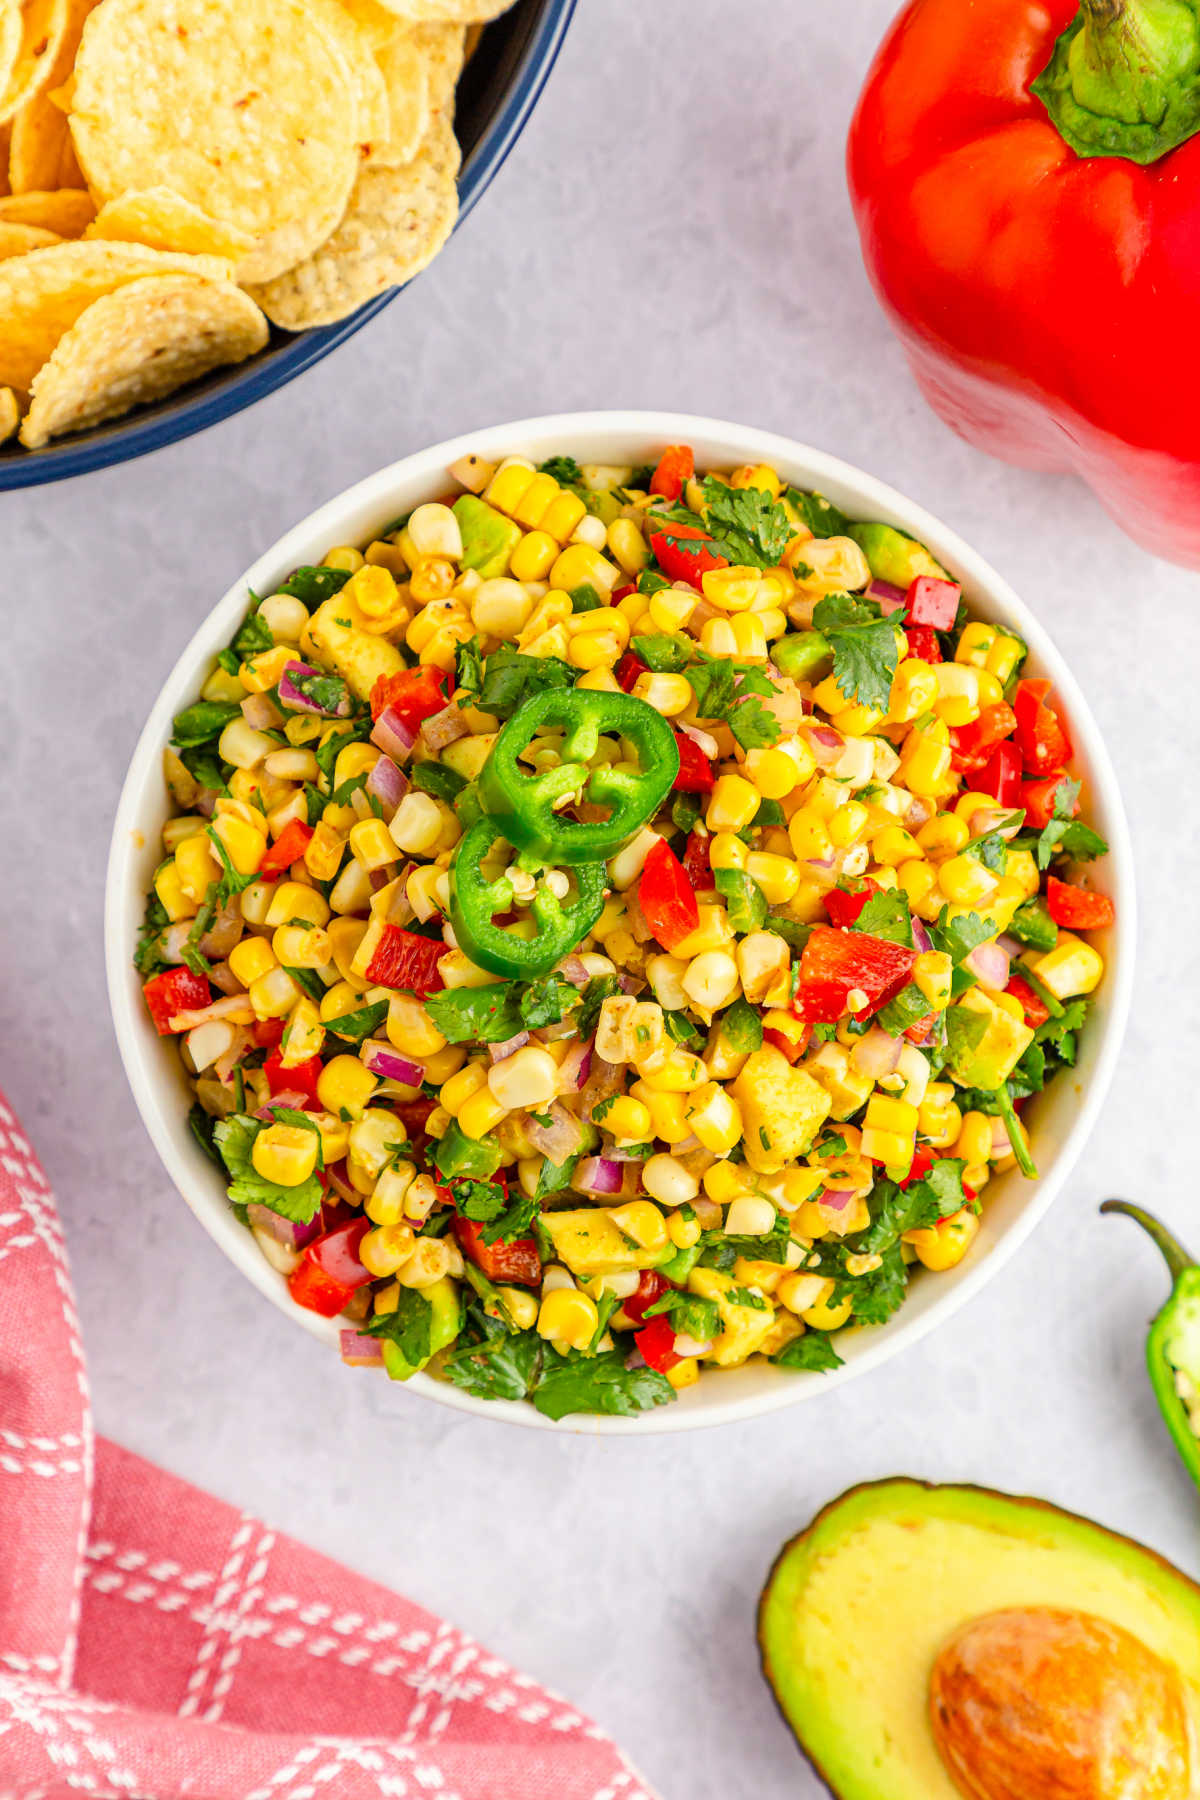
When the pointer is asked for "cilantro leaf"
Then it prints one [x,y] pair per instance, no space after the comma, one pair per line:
[599,989]
[409,1326]
[355,1026]
[822,517]
[235,1139]
[201,723]
[754,529]
[485,1015]
[865,655]
[908,1008]
[956,938]
[698,1316]
[497,1364]
[733,692]
[563,469]
[876,1297]
[481,1201]
[887,915]
[148,958]
[232,881]
[598,1384]
[662,653]
[314,585]
[191,953]
[253,637]
[555,1176]
[1065,836]
[201,1125]
[812,1351]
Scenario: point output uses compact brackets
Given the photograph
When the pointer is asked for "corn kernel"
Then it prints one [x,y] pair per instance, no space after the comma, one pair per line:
[957,703]
[715,1117]
[481,1113]
[943,1245]
[711,981]
[568,1317]
[642,1221]
[286,1154]
[965,881]
[773,772]
[1072,967]
[667,694]
[628,1118]
[345,1084]
[777,876]
[809,837]
[579,566]
[273,995]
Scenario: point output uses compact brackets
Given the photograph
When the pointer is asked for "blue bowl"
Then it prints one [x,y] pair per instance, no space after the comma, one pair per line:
[498,92]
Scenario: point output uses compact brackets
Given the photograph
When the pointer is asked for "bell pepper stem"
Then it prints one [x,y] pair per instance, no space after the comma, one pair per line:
[1177,1258]
[1124,79]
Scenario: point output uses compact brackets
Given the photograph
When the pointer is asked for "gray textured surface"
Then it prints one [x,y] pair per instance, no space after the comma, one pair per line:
[672,231]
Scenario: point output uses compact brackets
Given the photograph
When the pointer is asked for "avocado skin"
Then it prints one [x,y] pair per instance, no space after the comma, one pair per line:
[907,1489]
[893,555]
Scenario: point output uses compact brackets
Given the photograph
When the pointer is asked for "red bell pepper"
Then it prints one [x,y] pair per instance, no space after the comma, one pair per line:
[696,774]
[311,1288]
[834,964]
[923,1160]
[1038,253]
[1041,735]
[300,1080]
[414,1116]
[1001,776]
[1039,799]
[667,898]
[406,960]
[844,908]
[919,1032]
[266,1033]
[288,848]
[697,864]
[792,1048]
[680,563]
[1034,1007]
[932,602]
[651,1287]
[656,1341]
[628,670]
[972,745]
[676,465]
[1077,908]
[922,641]
[415,694]
[335,1253]
[174,991]
[517,1262]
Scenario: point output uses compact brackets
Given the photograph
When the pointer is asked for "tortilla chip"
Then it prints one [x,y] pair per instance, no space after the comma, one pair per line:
[17,240]
[65,211]
[136,345]
[44,25]
[11,34]
[239,106]
[397,221]
[42,294]
[41,138]
[10,414]
[445,48]
[378,25]
[165,221]
[448,12]
[405,66]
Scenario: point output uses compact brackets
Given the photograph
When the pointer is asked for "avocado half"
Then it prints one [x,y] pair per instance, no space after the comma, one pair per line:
[858,1606]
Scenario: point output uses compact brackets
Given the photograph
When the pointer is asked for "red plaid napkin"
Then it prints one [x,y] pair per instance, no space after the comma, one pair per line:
[155,1642]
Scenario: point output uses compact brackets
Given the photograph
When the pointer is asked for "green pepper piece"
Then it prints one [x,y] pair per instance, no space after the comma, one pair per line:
[522,805]
[458,1154]
[474,900]
[1173,1346]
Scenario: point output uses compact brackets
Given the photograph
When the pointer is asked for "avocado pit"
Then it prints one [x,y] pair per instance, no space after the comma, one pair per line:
[1038,1703]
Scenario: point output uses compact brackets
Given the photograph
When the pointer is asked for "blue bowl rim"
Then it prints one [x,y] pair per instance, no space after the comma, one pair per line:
[156,431]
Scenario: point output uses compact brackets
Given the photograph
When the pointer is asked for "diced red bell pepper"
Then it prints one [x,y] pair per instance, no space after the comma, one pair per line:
[313,1289]
[287,849]
[697,865]
[335,1253]
[844,908]
[666,897]
[792,1048]
[676,465]
[414,1115]
[696,774]
[1077,908]
[836,963]
[266,1033]
[923,1160]
[680,563]
[628,670]
[1041,734]
[971,745]
[174,991]
[1001,776]
[516,1262]
[300,1080]
[1039,798]
[415,694]
[930,601]
[407,961]
[651,1287]
[1035,1008]
[922,641]
[622,593]
[656,1341]
[919,1032]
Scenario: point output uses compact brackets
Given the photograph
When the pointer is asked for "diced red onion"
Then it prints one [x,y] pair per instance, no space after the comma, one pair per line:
[635,1360]
[703,740]
[826,745]
[498,1052]
[558,1140]
[445,727]
[382,1060]
[597,1175]
[284,1231]
[889,596]
[225,1065]
[918,813]
[573,969]
[575,1067]
[261,713]
[707,1212]
[359,1350]
[1010,945]
[205,802]
[204,1015]
[291,696]
[175,938]
[876,1054]
[630,984]
[635,919]
[391,735]
[341,1184]
[921,937]
[223,979]
[837,1199]
[989,964]
[603,1079]
[224,932]
[613,1151]
[292,1098]
[685,1345]
[388,784]
[824,871]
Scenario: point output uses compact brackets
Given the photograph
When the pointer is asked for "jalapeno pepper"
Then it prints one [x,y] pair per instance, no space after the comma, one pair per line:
[1173,1346]
[521,805]
[474,901]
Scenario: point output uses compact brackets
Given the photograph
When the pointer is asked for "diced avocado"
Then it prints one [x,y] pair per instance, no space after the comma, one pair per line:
[860,1607]
[803,655]
[782,1107]
[590,1244]
[744,1329]
[602,505]
[986,1042]
[444,1327]
[359,656]
[458,1154]
[893,555]
[489,539]
[1031,924]
[679,1264]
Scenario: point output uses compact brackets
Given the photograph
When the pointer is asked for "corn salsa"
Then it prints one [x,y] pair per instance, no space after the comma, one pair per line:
[613,922]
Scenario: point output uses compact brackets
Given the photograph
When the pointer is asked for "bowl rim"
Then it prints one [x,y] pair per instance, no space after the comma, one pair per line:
[302,350]
[140,1050]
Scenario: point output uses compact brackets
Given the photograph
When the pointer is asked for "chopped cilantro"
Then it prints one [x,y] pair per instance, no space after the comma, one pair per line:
[235,1139]
[865,655]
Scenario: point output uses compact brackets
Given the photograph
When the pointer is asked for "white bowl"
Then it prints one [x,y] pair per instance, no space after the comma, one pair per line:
[1063,1116]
